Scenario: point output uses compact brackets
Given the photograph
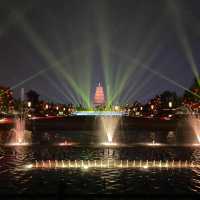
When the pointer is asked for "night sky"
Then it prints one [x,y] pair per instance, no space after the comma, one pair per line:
[142,42]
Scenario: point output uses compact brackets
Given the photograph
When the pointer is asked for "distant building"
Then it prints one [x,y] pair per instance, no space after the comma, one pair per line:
[99,97]
[6,100]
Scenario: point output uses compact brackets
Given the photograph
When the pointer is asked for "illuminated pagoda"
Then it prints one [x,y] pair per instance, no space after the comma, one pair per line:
[99,98]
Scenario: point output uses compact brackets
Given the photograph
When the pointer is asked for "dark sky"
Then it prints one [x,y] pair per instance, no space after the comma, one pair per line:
[145,47]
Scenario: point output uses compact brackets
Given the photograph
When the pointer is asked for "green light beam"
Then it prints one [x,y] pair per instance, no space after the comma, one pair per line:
[169,80]
[184,41]
[35,75]
[144,81]
[142,52]
[52,82]
[68,91]
[49,57]
[135,61]
[101,13]
[130,73]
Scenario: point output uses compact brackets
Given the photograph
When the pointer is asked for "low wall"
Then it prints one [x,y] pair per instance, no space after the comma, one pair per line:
[93,123]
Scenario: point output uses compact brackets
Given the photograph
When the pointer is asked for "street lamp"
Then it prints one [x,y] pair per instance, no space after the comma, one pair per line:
[46,106]
[116,108]
[152,107]
[170,104]
[29,104]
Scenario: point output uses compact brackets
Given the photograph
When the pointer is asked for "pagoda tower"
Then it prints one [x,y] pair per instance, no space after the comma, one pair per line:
[99,98]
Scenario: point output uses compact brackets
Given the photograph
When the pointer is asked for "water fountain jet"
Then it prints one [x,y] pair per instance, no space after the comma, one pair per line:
[109,126]
[65,143]
[195,125]
[117,164]
[19,135]
[153,143]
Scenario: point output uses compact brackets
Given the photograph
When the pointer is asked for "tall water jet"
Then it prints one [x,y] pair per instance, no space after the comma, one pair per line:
[18,132]
[19,135]
[194,122]
[109,126]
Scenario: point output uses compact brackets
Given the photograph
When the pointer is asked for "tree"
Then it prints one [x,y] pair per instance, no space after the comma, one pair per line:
[168,96]
[33,97]
[194,94]
[6,100]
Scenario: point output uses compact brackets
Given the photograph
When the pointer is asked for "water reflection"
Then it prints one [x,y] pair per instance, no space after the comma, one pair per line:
[14,179]
[93,137]
[171,137]
[195,176]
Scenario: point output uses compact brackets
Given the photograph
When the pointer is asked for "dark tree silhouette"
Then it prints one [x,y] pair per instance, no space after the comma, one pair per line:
[168,96]
[33,96]
[194,95]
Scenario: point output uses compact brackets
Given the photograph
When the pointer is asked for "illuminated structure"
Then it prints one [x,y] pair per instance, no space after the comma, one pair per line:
[6,100]
[99,98]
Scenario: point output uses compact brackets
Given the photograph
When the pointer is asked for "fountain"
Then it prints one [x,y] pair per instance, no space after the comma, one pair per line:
[65,143]
[116,164]
[19,135]
[109,125]
[195,125]
[153,143]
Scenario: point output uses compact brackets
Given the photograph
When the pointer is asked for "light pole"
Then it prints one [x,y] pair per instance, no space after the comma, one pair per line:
[46,106]
[29,104]
[170,104]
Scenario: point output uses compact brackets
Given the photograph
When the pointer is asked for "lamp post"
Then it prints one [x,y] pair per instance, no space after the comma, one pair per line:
[29,104]
[170,104]
[116,108]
